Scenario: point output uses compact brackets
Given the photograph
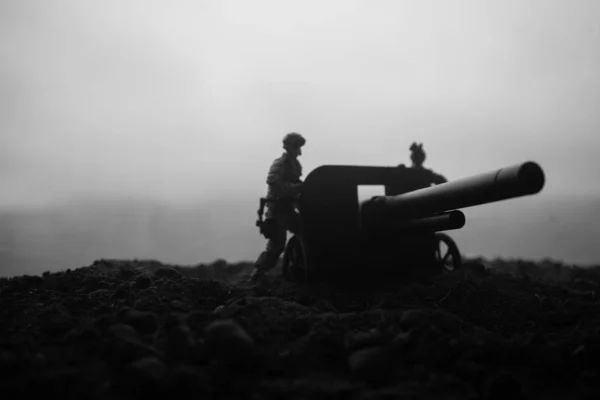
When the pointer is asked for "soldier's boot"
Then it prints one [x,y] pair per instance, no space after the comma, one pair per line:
[255,275]
[258,271]
[265,262]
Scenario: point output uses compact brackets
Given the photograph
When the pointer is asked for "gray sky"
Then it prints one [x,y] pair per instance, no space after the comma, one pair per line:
[188,100]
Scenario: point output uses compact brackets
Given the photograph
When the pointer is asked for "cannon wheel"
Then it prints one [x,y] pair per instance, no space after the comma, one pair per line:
[294,260]
[447,253]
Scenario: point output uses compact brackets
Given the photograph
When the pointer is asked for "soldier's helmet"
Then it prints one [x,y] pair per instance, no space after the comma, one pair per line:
[293,139]
[417,154]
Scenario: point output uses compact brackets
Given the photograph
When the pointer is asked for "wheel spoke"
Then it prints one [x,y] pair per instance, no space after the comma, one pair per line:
[448,254]
[449,258]
[440,251]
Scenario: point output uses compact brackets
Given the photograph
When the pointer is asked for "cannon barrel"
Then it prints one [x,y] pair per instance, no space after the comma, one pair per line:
[439,222]
[514,181]
[436,223]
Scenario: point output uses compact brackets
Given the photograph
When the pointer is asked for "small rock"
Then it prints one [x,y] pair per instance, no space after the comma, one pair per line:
[468,370]
[401,341]
[404,390]
[371,364]
[144,322]
[364,339]
[126,273]
[420,372]
[180,305]
[503,386]
[172,320]
[178,340]
[83,303]
[100,294]
[152,290]
[122,312]
[197,320]
[125,286]
[260,291]
[38,360]
[476,269]
[219,309]
[81,334]
[450,387]
[182,345]
[124,345]
[9,364]
[432,321]
[146,301]
[167,272]
[186,381]
[122,291]
[90,284]
[53,381]
[56,325]
[143,282]
[29,282]
[229,343]
[143,379]
[103,308]
[150,367]
[103,322]
[122,330]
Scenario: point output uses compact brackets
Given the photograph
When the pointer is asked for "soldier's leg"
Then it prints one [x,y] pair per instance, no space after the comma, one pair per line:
[268,258]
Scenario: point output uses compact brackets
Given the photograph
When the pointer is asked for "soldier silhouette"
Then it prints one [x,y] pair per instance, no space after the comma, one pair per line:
[417,157]
[284,185]
[421,177]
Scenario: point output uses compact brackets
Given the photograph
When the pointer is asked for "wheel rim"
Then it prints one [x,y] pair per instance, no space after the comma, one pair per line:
[445,254]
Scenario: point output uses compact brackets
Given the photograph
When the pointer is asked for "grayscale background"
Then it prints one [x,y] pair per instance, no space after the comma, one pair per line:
[145,129]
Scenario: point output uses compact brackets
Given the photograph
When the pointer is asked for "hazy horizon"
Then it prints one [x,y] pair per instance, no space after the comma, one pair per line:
[74,236]
[185,103]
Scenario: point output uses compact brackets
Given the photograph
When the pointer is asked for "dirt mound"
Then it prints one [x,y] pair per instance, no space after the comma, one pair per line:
[142,329]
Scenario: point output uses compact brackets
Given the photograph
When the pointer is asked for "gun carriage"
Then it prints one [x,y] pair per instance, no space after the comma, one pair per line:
[394,235]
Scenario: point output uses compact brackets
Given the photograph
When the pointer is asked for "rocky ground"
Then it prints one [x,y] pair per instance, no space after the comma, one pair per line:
[140,329]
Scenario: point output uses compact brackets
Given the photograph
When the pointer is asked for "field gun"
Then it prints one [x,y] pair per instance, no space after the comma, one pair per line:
[394,234]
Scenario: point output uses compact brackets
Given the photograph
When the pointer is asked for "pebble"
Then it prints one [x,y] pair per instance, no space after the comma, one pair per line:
[124,345]
[370,363]
[359,340]
[182,345]
[502,386]
[180,305]
[167,272]
[219,309]
[126,273]
[143,282]
[186,380]
[229,343]
[100,294]
[150,367]
[144,322]
[81,334]
[146,301]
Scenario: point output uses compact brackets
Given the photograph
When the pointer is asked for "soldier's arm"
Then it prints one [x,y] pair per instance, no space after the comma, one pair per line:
[276,181]
[437,179]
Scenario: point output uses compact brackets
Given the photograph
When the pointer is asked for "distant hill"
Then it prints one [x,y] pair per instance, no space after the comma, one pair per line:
[74,235]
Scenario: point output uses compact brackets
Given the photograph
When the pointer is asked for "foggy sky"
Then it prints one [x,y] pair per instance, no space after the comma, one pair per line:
[188,100]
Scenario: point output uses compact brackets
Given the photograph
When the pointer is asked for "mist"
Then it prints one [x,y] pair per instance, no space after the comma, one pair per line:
[146,128]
